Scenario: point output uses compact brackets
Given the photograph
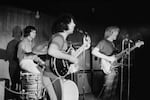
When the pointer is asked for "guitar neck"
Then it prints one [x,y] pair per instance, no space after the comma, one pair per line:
[79,51]
[124,51]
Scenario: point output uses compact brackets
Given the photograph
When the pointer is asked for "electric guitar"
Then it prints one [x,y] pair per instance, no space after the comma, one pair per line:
[108,66]
[63,67]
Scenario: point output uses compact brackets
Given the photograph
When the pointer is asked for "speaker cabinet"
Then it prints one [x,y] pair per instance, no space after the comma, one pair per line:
[83,81]
[84,58]
[97,81]
[96,63]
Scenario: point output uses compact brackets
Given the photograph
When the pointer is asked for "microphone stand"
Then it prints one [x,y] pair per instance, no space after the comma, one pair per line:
[122,60]
[84,54]
[122,71]
[83,88]
[128,91]
[84,72]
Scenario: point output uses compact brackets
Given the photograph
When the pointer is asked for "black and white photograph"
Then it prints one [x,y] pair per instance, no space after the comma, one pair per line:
[74,50]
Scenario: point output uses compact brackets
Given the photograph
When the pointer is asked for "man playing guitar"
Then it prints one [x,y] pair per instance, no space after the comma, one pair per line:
[57,49]
[58,46]
[104,50]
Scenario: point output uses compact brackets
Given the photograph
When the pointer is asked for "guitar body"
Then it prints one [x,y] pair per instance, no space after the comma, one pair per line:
[63,67]
[60,67]
[106,66]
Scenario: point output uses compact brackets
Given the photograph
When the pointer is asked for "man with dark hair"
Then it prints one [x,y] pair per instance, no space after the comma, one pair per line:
[27,58]
[25,51]
[57,48]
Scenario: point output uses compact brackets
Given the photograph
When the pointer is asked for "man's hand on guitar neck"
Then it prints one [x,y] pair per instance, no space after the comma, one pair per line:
[73,59]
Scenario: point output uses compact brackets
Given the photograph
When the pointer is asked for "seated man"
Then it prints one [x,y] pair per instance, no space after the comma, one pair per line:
[27,58]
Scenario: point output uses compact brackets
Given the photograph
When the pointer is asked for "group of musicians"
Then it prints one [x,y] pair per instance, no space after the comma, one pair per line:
[29,61]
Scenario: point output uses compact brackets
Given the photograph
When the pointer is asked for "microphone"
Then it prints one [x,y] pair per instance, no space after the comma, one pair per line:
[128,40]
[81,31]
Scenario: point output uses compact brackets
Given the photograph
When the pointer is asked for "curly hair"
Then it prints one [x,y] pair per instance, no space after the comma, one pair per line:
[61,23]
[28,29]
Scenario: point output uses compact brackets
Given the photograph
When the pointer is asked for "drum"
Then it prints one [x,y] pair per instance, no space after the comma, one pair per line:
[68,90]
[31,86]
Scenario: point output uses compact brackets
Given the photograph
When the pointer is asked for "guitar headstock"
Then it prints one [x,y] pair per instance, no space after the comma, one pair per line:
[87,41]
[139,43]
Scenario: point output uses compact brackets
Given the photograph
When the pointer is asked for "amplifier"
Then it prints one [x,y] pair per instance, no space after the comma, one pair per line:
[83,81]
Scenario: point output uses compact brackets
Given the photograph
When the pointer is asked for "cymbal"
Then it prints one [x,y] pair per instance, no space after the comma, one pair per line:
[41,49]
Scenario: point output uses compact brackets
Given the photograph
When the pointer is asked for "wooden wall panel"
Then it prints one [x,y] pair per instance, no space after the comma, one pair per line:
[11,17]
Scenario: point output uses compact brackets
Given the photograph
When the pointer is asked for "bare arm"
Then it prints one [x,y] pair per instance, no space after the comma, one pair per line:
[55,52]
[22,53]
[98,54]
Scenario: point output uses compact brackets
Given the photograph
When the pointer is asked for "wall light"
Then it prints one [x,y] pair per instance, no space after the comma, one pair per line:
[37,15]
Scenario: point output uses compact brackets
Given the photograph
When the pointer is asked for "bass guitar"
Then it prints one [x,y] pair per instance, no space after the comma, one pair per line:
[108,66]
[63,67]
